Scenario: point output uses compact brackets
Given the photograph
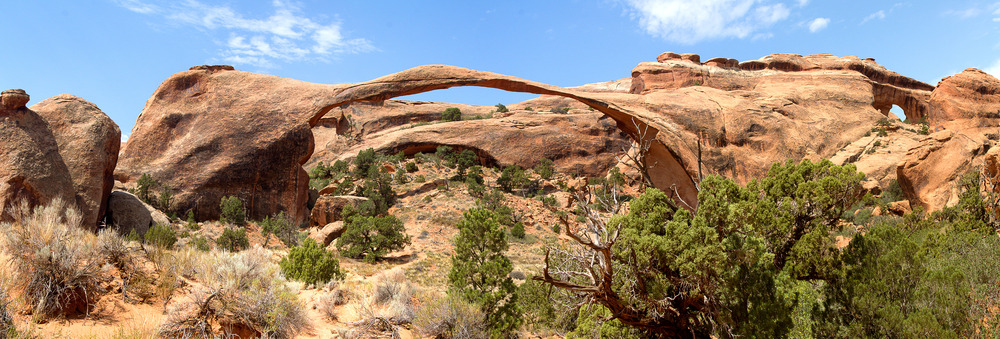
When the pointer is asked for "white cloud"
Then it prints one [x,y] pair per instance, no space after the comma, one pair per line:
[993,70]
[877,15]
[286,35]
[691,21]
[964,13]
[137,6]
[802,3]
[818,24]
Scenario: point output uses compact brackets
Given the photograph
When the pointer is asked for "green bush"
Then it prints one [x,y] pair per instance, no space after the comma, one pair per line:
[201,243]
[233,240]
[517,231]
[311,263]
[161,235]
[420,179]
[232,211]
[451,114]
[501,108]
[512,177]
[371,238]
[144,186]
[363,163]
[280,226]
[480,270]
[378,189]
[411,167]
[191,223]
[544,168]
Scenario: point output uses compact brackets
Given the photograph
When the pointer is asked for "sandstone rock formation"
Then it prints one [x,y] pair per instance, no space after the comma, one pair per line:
[88,142]
[328,208]
[970,99]
[127,213]
[212,132]
[31,169]
[584,143]
[328,233]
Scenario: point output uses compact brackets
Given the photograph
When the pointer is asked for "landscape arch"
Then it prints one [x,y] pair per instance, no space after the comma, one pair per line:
[666,169]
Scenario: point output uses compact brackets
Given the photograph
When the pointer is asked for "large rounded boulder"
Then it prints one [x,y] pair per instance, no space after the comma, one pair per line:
[212,132]
[31,169]
[88,143]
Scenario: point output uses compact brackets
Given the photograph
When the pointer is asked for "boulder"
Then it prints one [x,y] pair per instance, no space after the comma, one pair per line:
[329,207]
[212,132]
[327,234]
[929,173]
[88,142]
[899,207]
[126,213]
[31,169]
[970,99]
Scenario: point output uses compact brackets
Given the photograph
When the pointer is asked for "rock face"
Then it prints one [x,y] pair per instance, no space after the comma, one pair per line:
[212,132]
[970,99]
[582,142]
[31,169]
[88,142]
[328,208]
[127,213]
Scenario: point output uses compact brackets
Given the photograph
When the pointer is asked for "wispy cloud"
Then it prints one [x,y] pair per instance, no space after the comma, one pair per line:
[818,24]
[691,21]
[963,13]
[880,15]
[993,69]
[284,36]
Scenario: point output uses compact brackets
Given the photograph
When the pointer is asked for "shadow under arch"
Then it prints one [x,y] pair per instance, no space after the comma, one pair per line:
[666,168]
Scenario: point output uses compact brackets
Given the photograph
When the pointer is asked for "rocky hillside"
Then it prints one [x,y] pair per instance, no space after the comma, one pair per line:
[283,147]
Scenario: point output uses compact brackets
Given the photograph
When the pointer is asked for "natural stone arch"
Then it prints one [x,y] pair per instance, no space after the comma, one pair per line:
[915,103]
[666,169]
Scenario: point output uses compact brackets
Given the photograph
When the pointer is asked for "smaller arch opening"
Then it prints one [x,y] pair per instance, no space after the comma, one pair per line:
[895,112]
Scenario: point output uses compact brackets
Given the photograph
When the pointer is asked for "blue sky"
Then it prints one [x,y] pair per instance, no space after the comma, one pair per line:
[116,52]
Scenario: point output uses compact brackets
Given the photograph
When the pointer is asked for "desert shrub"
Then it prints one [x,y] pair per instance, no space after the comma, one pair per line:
[6,321]
[400,178]
[555,228]
[394,291]
[233,240]
[476,189]
[144,188]
[463,160]
[892,193]
[411,167]
[420,179]
[191,223]
[242,294]
[544,168]
[161,235]
[311,263]
[378,189]
[451,114]
[480,270]
[201,243]
[924,129]
[280,226]
[450,317]
[512,177]
[56,264]
[501,108]
[517,231]
[538,308]
[363,163]
[328,302]
[371,238]
[232,211]
[594,321]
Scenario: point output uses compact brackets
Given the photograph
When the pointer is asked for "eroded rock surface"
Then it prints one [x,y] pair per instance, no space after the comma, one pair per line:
[88,143]
[31,168]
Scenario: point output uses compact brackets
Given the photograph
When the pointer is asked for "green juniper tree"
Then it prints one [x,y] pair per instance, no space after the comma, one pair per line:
[480,270]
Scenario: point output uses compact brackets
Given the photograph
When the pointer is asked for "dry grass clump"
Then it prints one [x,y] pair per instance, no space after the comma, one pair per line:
[56,264]
[6,321]
[243,294]
[387,306]
[450,317]
[333,297]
